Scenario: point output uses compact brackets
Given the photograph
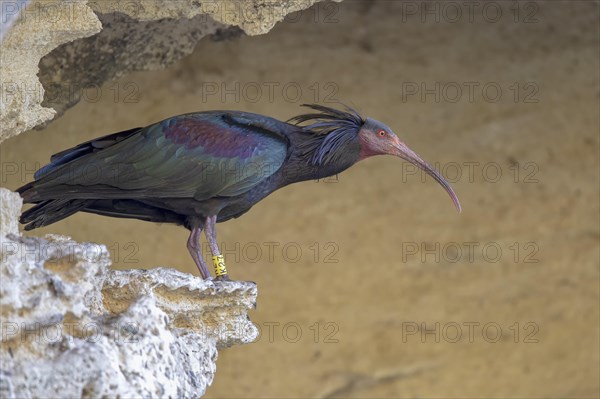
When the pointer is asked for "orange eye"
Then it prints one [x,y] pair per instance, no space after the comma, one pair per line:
[381,133]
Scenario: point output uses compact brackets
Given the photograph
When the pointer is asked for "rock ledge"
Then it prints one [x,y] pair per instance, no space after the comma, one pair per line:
[71,327]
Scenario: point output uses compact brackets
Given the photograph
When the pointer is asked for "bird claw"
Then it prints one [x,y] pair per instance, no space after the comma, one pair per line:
[224,277]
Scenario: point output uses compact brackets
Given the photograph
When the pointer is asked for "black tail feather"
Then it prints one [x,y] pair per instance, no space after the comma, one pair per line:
[51,211]
[51,204]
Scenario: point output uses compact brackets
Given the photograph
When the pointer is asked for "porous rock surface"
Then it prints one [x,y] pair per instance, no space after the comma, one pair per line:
[71,327]
[51,51]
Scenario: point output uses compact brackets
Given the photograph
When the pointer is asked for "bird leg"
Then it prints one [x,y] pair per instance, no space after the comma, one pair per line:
[193,245]
[218,259]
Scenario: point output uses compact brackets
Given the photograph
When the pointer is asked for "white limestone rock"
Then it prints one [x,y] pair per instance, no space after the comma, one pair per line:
[71,327]
[10,209]
[51,51]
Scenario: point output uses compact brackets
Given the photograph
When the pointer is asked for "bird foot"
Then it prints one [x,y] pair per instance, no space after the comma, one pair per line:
[223,277]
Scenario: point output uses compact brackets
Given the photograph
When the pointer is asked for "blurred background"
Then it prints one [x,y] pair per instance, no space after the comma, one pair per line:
[370,284]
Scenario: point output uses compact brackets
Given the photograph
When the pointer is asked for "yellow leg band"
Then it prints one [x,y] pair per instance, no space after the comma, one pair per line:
[219,262]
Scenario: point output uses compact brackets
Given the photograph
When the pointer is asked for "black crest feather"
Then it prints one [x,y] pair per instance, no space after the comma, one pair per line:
[331,128]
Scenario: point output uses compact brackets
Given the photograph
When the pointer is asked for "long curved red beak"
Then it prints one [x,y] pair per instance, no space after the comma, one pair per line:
[402,151]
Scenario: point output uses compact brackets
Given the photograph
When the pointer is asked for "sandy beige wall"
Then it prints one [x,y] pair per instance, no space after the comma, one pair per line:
[362,281]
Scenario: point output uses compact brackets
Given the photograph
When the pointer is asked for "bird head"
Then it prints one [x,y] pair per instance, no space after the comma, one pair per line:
[376,138]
